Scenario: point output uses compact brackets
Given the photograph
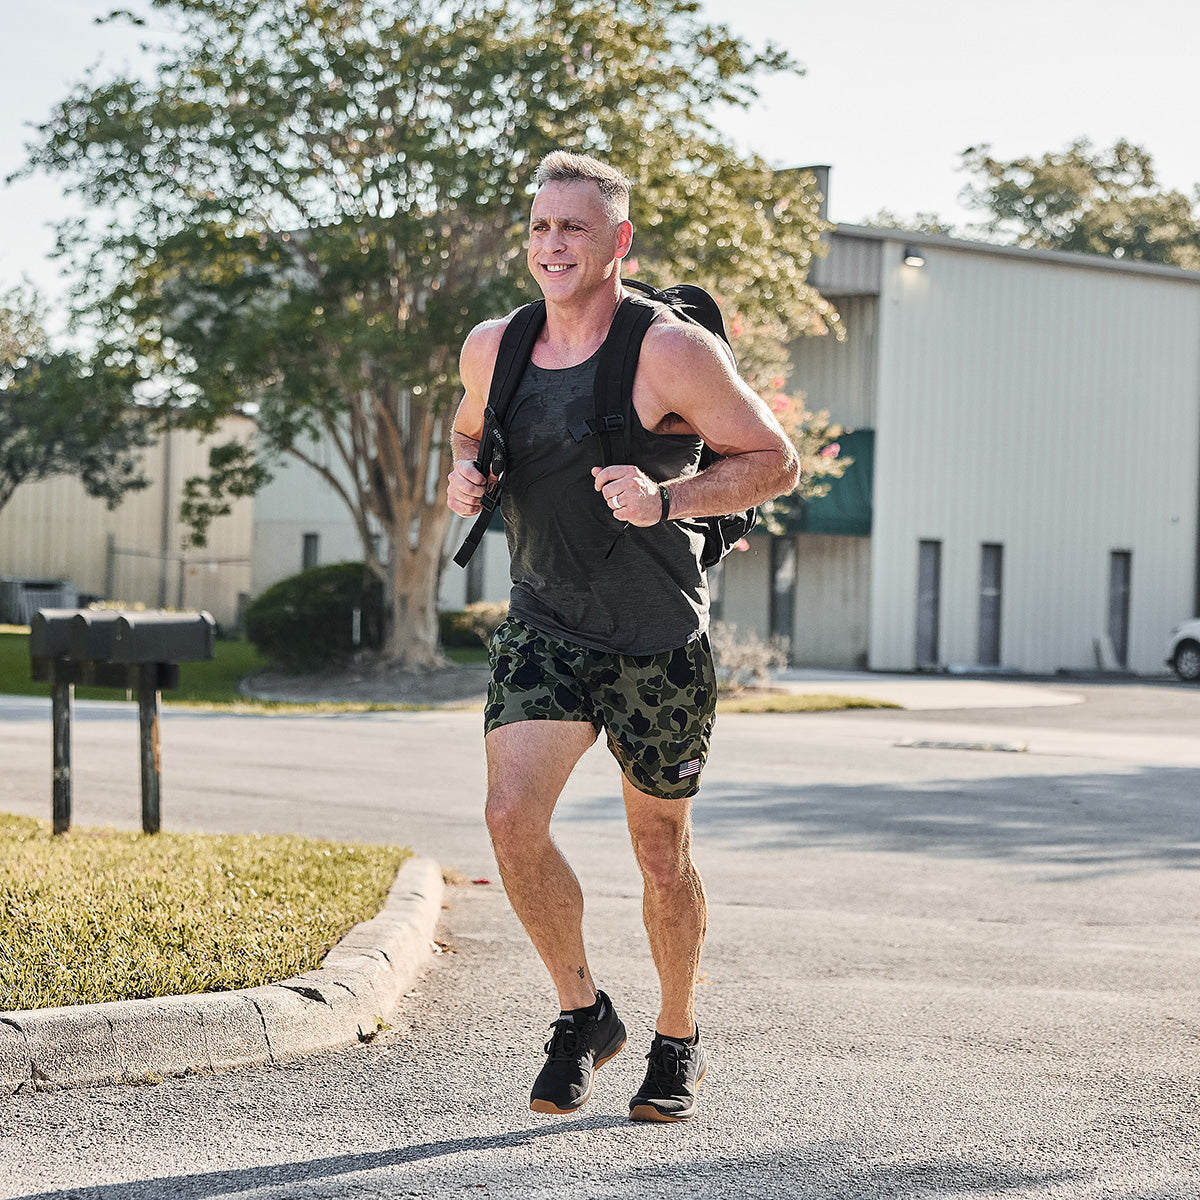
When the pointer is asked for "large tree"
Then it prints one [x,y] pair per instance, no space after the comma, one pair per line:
[310,202]
[61,413]
[1088,200]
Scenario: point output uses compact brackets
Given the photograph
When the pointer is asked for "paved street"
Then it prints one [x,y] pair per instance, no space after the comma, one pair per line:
[953,952]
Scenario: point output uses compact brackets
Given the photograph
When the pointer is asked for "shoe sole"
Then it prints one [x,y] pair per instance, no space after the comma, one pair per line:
[647,1112]
[546,1106]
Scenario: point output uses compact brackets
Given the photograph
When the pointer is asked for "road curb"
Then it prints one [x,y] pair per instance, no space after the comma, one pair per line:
[347,999]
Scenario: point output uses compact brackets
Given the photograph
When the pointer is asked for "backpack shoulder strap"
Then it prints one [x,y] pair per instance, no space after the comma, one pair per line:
[516,345]
[615,371]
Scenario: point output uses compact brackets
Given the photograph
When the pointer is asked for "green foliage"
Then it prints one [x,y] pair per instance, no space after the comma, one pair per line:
[470,626]
[1087,200]
[306,622]
[95,915]
[61,414]
[317,199]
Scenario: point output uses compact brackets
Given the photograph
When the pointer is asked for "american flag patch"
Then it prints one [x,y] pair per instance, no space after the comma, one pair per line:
[691,767]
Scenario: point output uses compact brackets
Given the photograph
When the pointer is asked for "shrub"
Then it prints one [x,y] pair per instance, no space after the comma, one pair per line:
[306,622]
[466,628]
[743,659]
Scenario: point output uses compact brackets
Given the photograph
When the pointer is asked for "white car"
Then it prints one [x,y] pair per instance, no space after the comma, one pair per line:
[1183,650]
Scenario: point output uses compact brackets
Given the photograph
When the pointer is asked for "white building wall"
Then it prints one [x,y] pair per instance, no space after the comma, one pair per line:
[134,554]
[841,376]
[832,609]
[1052,409]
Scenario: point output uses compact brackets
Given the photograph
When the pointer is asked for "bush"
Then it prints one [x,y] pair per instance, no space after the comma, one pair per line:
[743,659]
[306,622]
[466,628]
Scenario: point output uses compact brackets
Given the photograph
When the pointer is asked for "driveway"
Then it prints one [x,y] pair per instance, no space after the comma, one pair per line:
[953,952]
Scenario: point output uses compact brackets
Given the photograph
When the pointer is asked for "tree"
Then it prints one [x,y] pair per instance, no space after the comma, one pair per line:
[314,201]
[61,414]
[1087,200]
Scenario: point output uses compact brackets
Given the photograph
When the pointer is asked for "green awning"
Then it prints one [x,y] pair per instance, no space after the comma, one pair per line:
[846,508]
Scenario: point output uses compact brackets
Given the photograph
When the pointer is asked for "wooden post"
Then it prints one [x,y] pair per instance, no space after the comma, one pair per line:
[149,707]
[61,695]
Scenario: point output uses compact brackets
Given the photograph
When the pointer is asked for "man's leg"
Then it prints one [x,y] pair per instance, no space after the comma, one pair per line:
[529,763]
[674,906]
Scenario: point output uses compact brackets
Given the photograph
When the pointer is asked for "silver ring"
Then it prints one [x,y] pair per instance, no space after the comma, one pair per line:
[616,502]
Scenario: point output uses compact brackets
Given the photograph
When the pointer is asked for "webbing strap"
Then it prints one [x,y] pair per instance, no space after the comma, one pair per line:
[615,371]
[516,345]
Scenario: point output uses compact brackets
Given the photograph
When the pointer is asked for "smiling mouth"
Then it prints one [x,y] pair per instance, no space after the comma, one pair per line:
[557,268]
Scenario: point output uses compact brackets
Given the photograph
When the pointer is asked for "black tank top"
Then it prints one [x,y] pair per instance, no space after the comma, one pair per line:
[575,574]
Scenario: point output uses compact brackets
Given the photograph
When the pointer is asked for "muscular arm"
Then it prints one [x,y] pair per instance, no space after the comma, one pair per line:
[686,384]
[465,485]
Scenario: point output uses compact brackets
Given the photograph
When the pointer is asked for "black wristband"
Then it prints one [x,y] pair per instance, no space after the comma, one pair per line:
[666,502]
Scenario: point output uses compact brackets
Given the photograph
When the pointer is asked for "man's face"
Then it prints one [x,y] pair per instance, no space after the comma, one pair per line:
[573,245]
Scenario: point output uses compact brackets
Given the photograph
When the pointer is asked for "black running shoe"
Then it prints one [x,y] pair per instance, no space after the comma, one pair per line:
[668,1092]
[574,1053]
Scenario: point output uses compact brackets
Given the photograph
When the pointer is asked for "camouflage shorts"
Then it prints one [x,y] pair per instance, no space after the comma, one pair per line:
[657,710]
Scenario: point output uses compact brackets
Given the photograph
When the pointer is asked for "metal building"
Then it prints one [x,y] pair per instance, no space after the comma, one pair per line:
[1034,423]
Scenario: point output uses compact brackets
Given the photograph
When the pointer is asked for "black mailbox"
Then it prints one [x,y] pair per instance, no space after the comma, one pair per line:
[132,650]
[92,635]
[50,632]
[163,637]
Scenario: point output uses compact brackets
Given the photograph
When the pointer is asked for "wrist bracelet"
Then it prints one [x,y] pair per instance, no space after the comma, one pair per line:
[666,502]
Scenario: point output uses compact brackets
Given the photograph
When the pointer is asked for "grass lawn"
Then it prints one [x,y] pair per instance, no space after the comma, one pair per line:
[96,914]
[787,702]
[215,681]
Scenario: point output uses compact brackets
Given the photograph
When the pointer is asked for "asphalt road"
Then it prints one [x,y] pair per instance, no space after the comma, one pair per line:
[931,971]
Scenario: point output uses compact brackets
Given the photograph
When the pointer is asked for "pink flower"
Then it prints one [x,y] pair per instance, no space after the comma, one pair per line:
[736,326]
[631,266]
[780,404]
[777,382]
[830,451]
[741,544]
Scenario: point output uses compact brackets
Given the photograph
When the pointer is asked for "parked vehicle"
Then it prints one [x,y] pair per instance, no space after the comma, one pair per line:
[1183,650]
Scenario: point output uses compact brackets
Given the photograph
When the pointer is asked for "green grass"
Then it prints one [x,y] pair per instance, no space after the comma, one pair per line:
[215,681]
[96,914]
[786,702]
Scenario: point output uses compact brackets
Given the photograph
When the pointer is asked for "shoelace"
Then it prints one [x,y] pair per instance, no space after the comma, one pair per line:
[564,1041]
[668,1061]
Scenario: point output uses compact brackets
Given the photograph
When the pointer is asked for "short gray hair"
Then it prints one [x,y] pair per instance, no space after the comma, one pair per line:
[561,166]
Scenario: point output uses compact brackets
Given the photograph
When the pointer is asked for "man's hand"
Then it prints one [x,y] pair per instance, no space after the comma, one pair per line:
[632,496]
[465,488]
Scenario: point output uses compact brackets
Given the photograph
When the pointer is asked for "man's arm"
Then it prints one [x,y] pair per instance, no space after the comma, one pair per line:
[466,485]
[687,384]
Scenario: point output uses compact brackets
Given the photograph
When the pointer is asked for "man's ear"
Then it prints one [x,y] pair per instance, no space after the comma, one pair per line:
[624,238]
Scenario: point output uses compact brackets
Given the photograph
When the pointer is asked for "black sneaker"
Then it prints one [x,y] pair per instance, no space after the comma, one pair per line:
[574,1053]
[668,1092]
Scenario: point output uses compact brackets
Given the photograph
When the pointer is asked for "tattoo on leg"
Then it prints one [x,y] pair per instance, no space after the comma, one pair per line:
[580,972]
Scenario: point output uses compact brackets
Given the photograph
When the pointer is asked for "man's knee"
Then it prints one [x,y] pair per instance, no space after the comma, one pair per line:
[661,847]
[511,820]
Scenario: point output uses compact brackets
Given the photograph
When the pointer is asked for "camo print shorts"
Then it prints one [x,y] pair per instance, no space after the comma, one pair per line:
[657,710]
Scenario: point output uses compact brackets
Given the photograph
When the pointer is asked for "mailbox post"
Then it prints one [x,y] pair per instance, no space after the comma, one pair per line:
[137,651]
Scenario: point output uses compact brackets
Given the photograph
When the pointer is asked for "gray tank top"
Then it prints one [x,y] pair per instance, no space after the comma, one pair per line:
[575,574]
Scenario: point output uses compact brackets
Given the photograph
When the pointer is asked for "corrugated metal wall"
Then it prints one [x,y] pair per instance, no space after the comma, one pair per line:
[133,554]
[1053,410]
[841,376]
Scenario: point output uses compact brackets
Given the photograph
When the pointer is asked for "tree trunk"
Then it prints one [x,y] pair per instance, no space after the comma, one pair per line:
[412,640]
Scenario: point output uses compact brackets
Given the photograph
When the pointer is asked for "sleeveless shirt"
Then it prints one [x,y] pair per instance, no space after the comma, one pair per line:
[577,572]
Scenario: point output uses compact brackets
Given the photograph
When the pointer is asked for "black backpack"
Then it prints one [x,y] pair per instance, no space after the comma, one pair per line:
[612,421]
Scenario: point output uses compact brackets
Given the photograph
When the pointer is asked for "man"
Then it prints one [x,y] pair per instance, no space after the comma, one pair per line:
[607,617]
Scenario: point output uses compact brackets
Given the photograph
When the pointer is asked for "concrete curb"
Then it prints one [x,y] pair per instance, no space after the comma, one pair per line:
[356,989]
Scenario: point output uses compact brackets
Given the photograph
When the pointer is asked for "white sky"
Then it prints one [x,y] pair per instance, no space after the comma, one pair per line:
[894,90]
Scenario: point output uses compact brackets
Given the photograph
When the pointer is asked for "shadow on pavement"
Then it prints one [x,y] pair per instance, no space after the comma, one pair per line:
[1140,819]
